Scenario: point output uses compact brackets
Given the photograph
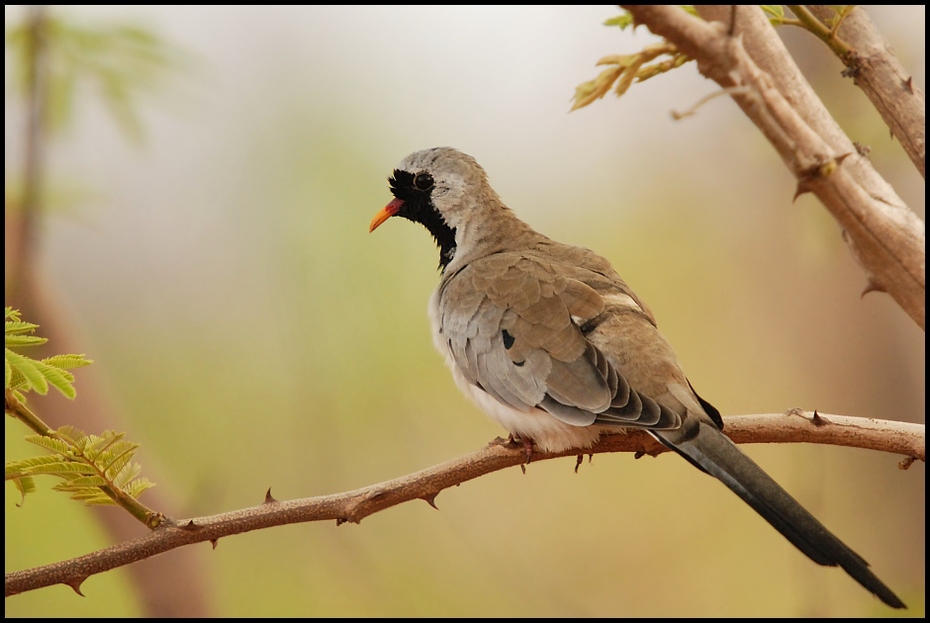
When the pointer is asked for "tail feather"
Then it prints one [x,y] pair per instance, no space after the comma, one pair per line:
[711,451]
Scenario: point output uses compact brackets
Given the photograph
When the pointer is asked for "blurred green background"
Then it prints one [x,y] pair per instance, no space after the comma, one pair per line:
[249,332]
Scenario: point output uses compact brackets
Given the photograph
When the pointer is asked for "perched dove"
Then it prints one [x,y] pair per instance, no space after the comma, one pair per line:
[550,342]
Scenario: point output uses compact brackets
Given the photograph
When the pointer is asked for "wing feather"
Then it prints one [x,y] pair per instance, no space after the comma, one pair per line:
[513,326]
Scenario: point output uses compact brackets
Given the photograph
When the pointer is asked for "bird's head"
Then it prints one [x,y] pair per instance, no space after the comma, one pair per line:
[443,190]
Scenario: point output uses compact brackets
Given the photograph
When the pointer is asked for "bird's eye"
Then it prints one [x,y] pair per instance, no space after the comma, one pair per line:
[423,181]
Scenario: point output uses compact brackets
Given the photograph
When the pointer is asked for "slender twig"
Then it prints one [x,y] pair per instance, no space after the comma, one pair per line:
[875,69]
[828,35]
[134,507]
[353,506]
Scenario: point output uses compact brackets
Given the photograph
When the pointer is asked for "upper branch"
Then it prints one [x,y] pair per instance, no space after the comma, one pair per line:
[875,69]
[884,236]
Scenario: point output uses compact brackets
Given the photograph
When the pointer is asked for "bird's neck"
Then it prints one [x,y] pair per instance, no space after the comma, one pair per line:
[479,237]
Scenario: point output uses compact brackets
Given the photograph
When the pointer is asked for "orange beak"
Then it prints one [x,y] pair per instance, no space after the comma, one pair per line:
[387,212]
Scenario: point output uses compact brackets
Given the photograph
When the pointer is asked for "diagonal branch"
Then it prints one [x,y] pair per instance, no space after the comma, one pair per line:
[743,54]
[353,506]
[875,69]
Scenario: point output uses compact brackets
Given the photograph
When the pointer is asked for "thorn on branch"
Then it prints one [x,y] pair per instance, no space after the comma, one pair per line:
[819,421]
[269,499]
[75,584]
[821,170]
[909,83]
[190,526]
[431,499]
[214,542]
[839,159]
[872,286]
[802,188]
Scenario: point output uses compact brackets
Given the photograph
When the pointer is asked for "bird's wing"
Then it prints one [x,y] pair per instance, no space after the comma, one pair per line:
[513,326]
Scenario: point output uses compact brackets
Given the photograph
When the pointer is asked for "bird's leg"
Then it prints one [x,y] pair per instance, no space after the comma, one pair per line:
[528,448]
[526,442]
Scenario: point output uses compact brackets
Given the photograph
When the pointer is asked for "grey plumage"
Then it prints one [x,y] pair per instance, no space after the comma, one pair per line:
[553,344]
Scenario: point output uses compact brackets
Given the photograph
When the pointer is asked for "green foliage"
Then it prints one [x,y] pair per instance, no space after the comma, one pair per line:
[623,20]
[24,374]
[805,19]
[89,466]
[775,13]
[840,11]
[97,469]
[625,68]
[122,61]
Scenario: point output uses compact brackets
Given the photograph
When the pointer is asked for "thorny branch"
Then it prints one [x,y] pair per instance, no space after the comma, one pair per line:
[353,506]
[741,52]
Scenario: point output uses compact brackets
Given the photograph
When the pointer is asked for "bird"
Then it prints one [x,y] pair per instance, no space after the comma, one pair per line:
[550,342]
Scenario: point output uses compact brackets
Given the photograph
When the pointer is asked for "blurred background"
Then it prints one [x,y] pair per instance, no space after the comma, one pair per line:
[212,256]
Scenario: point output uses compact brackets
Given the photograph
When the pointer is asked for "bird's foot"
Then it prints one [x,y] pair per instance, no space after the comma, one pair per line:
[513,441]
[580,459]
[527,444]
[528,448]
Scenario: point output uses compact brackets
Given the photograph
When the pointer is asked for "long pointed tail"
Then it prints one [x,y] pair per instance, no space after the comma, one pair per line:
[705,447]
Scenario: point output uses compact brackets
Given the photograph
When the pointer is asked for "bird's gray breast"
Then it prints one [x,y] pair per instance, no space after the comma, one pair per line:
[509,324]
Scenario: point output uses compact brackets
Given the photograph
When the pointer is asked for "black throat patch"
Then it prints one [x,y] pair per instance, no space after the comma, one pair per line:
[418,207]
